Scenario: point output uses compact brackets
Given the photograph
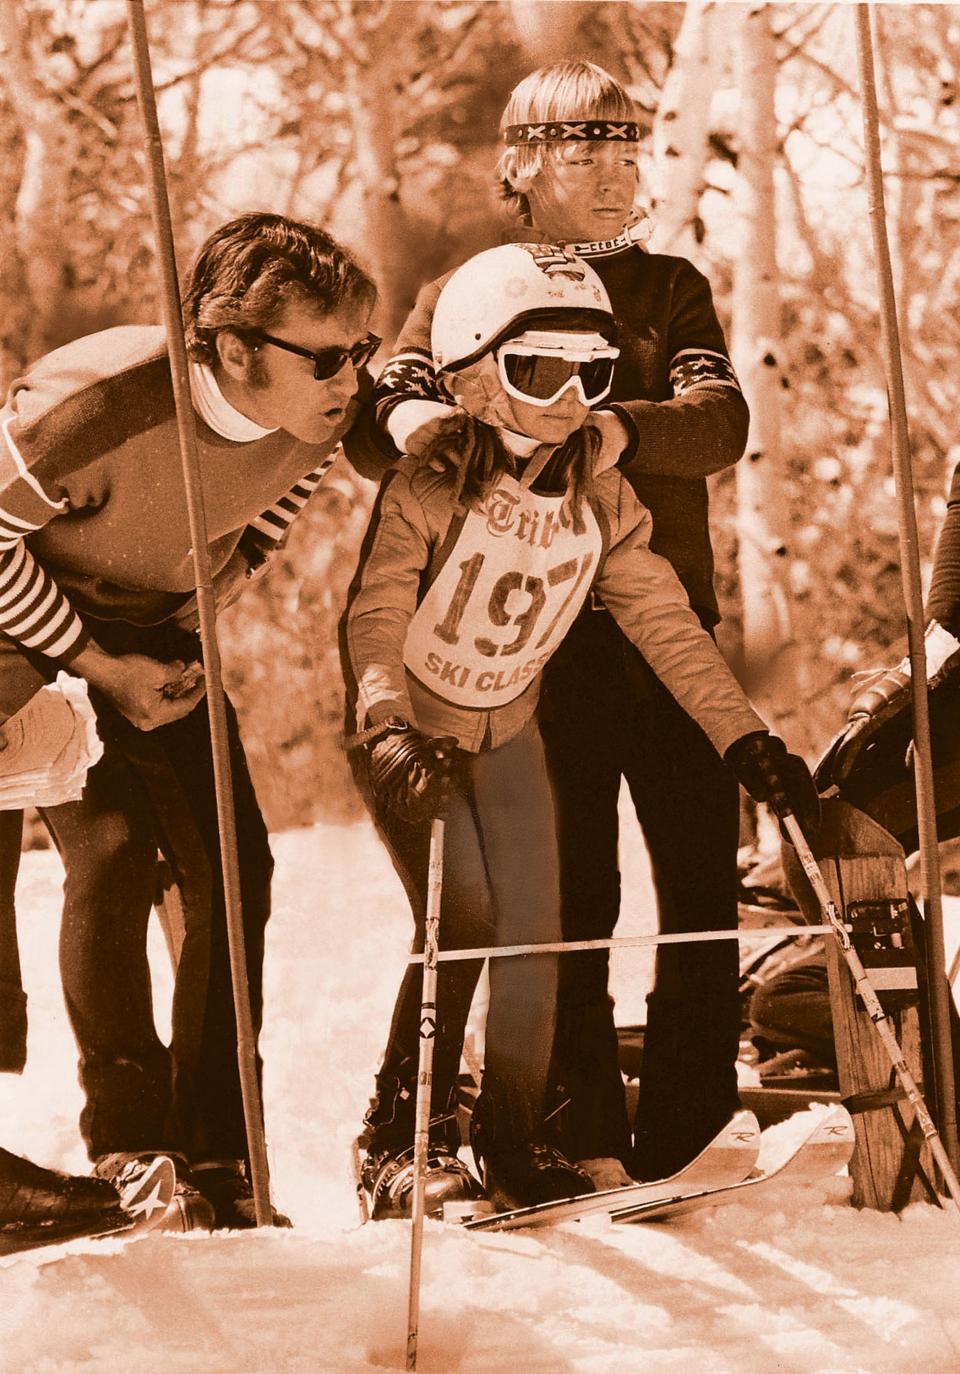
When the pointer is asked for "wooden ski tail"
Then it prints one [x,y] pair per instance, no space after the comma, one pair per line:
[865,872]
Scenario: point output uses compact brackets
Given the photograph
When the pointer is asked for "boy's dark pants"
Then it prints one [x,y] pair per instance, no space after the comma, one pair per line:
[153,790]
[500,887]
[604,714]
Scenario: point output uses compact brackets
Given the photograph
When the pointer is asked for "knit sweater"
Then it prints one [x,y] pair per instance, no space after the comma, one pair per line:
[93,512]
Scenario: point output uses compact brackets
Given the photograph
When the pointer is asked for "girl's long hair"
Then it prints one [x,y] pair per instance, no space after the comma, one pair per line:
[476,455]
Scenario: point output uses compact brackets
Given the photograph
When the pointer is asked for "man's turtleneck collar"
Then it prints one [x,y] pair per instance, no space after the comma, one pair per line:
[216,411]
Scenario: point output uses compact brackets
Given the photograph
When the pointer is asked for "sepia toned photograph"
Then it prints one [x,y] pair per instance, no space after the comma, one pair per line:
[479,687]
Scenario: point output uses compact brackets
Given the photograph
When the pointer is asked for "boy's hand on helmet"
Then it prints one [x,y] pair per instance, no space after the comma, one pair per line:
[410,772]
[778,779]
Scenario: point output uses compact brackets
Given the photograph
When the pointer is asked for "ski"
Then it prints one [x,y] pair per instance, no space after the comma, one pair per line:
[823,1151]
[139,1209]
[727,1159]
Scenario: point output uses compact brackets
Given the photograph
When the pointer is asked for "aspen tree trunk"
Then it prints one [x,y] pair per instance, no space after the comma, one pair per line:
[50,152]
[369,60]
[681,128]
[761,514]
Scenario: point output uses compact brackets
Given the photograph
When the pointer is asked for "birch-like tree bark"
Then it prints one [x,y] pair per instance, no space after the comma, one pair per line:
[761,508]
[40,211]
[681,128]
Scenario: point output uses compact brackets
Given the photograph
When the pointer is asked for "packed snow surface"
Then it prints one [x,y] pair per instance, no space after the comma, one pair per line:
[794,1280]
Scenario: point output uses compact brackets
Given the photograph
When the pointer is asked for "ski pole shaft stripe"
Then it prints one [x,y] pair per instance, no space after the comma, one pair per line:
[620,941]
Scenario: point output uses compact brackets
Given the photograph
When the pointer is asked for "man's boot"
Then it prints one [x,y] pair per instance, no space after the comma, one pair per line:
[31,1196]
[519,1167]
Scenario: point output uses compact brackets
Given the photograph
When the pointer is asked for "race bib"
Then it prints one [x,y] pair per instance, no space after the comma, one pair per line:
[504,599]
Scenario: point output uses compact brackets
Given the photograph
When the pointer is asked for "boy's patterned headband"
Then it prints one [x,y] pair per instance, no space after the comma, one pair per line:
[569,131]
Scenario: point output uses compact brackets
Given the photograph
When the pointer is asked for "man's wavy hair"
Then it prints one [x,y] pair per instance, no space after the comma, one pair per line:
[253,266]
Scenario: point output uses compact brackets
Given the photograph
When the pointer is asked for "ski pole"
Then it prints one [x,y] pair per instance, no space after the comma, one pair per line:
[428,1027]
[206,608]
[871,1003]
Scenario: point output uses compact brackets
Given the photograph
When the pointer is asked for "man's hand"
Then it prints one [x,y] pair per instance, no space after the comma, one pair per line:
[147,692]
[879,699]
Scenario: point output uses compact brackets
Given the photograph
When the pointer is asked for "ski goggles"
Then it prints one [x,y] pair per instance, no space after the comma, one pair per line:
[539,366]
[327,362]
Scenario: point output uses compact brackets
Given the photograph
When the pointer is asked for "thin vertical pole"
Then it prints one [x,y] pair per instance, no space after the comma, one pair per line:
[428,1029]
[206,606]
[937,987]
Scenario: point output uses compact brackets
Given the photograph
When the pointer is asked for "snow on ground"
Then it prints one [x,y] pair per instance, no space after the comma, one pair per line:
[793,1282]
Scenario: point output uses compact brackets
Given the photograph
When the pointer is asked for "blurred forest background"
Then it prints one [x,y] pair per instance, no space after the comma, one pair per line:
[378,118]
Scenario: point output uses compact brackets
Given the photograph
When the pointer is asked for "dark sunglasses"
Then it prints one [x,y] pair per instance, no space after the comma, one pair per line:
[327,362]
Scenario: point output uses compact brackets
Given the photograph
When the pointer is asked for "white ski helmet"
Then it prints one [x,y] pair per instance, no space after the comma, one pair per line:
[502,291]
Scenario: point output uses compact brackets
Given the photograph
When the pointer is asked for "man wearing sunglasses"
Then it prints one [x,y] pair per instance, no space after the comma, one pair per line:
[96,577]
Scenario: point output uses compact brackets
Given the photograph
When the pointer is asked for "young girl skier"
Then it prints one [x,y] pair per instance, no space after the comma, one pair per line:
[475,565]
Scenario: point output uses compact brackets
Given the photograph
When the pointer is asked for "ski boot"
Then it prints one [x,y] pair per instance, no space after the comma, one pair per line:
[520,1170]
[225,1185]
[31,1196]
[386,1173]
[448,1184]
[127,1170]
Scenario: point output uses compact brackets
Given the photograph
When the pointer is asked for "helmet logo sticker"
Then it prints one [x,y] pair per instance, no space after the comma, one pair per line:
[555,262]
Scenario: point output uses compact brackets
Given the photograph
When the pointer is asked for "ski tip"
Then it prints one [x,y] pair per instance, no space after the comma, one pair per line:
[742,1131]
[834,1127]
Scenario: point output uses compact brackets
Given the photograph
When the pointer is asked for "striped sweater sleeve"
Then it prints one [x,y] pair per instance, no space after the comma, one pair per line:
[33,609]
[259,542]
[264,535]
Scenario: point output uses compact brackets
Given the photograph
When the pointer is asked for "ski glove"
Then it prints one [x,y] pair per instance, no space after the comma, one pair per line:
[882,698]
[771,775]
[409,772]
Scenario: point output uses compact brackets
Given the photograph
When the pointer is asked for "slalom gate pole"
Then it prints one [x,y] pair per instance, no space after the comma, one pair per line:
[428,1027]
[871,1003]
[939,991]
[206,607]
[683,937]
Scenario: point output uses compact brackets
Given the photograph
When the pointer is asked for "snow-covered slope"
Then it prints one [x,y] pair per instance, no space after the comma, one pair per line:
[795,1282]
